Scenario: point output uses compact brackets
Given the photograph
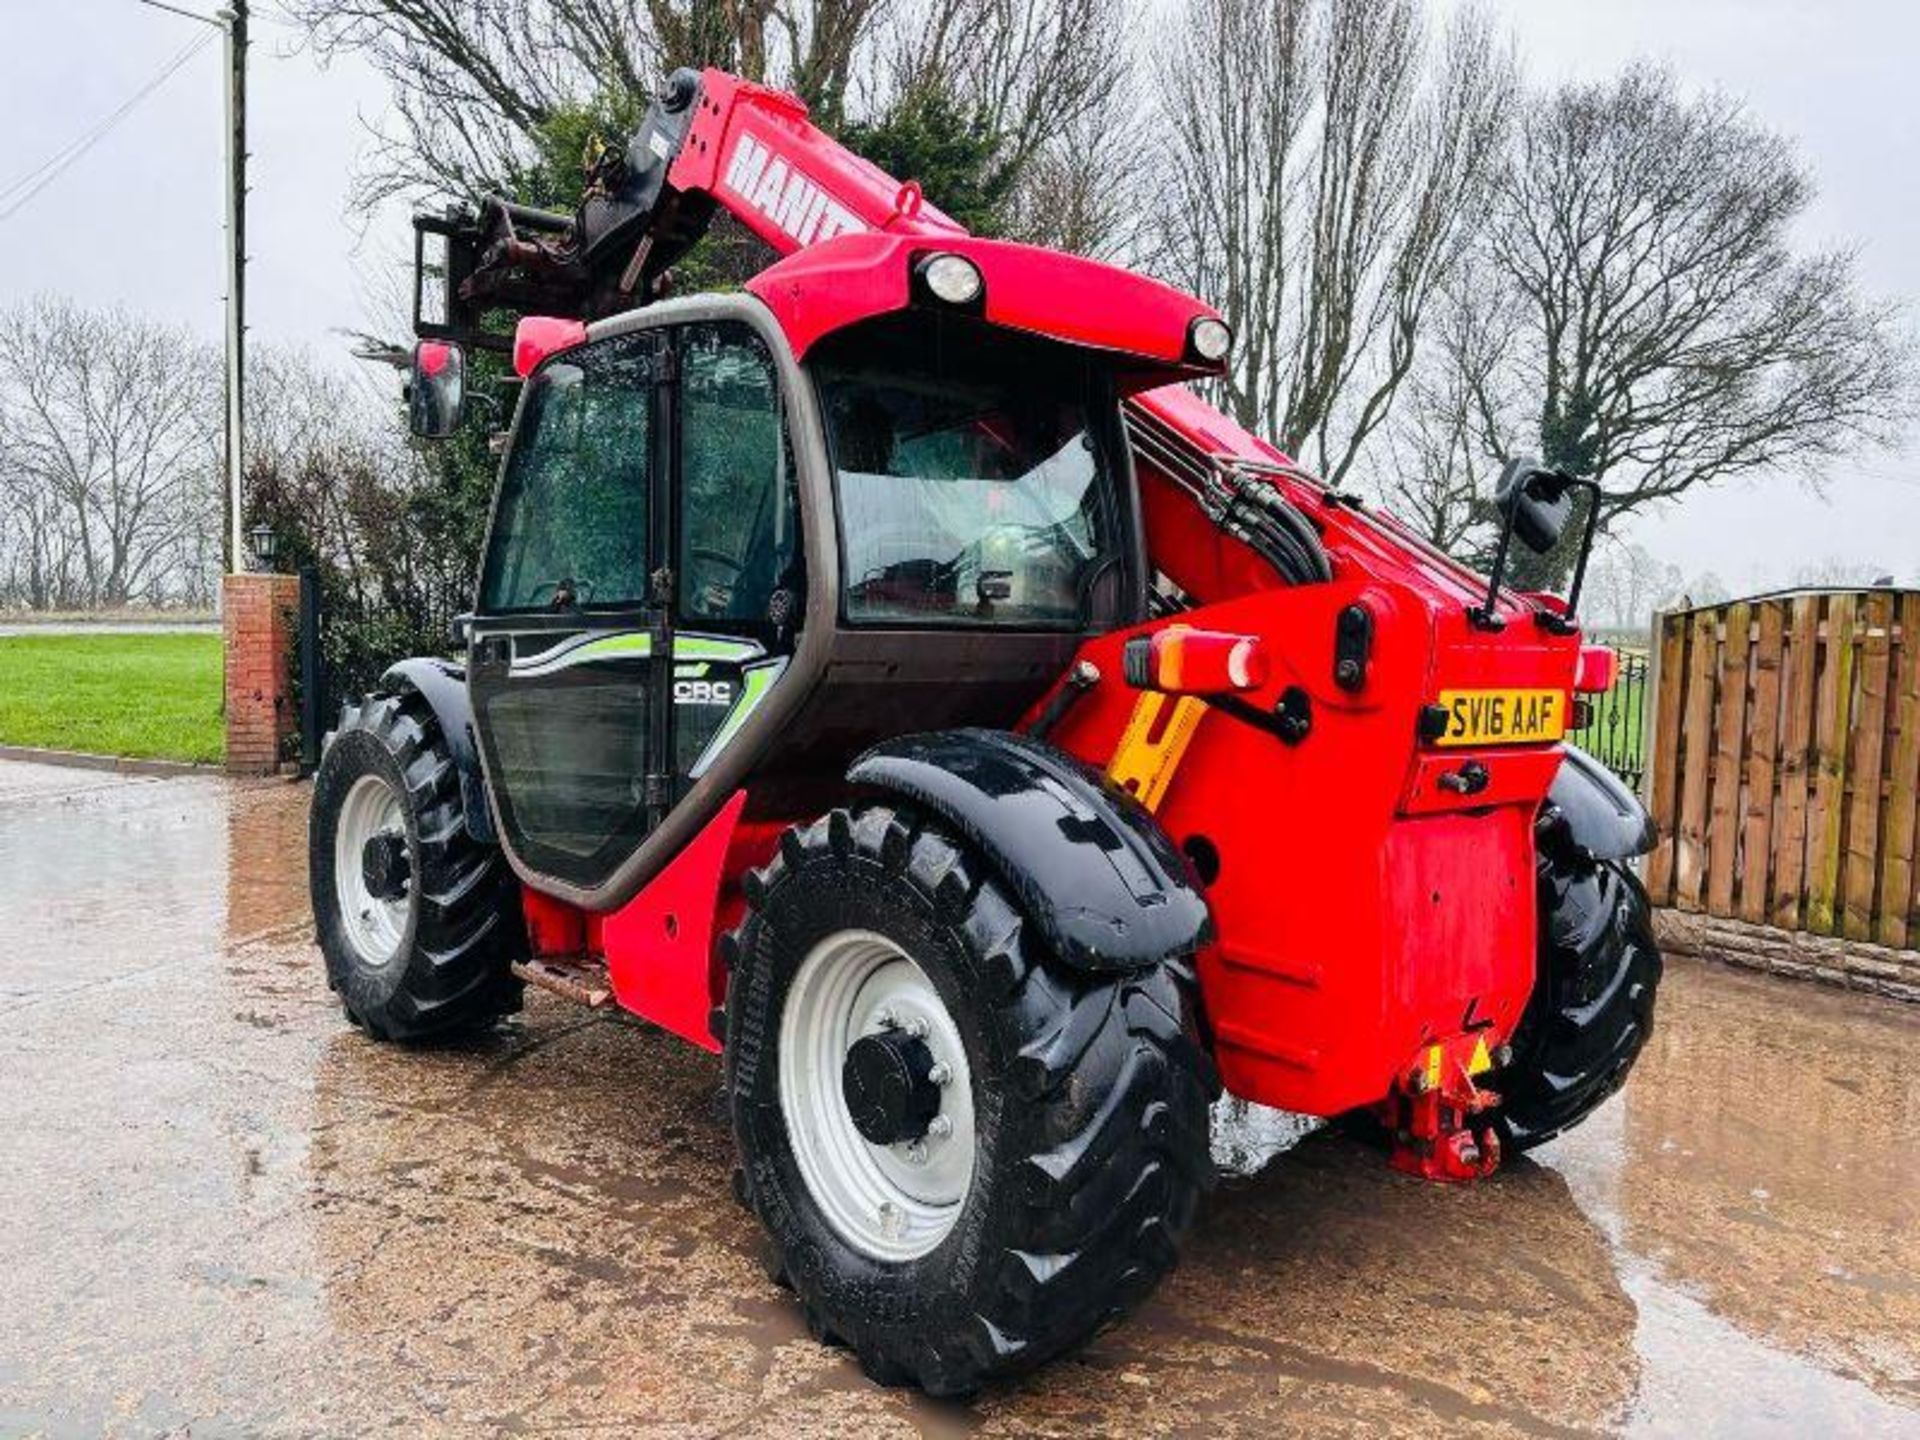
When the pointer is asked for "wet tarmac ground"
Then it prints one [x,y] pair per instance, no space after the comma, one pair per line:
[223,1212]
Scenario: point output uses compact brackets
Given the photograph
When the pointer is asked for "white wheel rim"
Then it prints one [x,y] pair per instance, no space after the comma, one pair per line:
[892,1202]
[374,926]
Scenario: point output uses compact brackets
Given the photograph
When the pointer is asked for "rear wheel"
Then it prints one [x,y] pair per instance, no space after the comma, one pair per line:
[1591,1011]
[968,1156]
[419,922]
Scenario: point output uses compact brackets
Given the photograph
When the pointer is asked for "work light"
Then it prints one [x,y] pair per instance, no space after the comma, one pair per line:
[1211,339]
[953,278]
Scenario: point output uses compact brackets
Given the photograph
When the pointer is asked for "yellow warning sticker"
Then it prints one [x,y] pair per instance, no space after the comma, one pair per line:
[1481,1061]
[1434,1058]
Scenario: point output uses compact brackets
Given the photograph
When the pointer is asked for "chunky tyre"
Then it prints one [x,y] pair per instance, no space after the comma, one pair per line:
[1591,1010]
[969,1157]
[419,922]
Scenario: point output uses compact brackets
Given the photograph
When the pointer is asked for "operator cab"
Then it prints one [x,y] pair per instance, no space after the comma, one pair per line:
[710,562]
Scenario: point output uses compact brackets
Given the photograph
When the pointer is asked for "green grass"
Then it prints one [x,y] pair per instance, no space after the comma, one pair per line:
[150,696]
[1617,732]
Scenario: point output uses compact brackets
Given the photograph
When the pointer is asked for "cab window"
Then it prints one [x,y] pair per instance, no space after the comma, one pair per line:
[975,478]
[570,528]
[738,545]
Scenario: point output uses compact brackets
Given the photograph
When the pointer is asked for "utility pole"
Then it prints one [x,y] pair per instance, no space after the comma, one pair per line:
[233,21]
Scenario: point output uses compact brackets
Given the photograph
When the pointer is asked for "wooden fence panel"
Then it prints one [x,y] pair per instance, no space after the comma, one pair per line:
[1763,742]
[1696,742]
[1826,815]
[1730,735]
[1785,766]
[1796,725]
[1664,750]
[1897,876]
[1866,746]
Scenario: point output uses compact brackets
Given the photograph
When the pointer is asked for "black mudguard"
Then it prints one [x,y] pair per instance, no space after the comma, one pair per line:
[1092,870]
[1590,815]
[443,685]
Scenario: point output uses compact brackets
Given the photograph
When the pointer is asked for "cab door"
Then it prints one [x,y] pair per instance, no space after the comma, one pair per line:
[735,555]
[569,705]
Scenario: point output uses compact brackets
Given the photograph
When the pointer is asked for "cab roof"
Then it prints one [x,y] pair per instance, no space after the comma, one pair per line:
[840,282]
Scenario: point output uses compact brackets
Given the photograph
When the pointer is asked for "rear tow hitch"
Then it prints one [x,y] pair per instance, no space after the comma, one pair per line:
[1437,1113]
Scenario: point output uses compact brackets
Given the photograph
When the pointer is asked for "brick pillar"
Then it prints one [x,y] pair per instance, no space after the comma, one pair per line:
[262,622]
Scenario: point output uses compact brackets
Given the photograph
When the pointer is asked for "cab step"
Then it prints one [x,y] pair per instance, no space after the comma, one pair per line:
[581,978]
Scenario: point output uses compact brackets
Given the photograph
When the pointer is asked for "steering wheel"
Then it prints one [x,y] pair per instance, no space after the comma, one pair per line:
[711,579]
[579,591]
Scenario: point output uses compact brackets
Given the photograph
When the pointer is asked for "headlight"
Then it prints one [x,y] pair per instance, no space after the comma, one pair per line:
[953,278]
[1211,339]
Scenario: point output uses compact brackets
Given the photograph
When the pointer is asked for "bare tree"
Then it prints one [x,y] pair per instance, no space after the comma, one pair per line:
[1627,582]
[485,94]
[108,433]
[1435,471]
[1326,158]
[1670,334]
[1841,571]
[475,82]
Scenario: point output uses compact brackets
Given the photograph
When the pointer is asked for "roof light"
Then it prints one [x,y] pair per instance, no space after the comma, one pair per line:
[1211,339]
[953,278]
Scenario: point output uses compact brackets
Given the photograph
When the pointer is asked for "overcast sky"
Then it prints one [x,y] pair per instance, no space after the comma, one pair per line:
[138,219]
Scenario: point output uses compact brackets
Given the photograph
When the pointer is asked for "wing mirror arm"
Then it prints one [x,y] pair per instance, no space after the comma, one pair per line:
[1535,504]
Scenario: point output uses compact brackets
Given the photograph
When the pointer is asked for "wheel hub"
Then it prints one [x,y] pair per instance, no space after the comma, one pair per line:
[889,1085]
[372,877]
[383,865]
[877,1095]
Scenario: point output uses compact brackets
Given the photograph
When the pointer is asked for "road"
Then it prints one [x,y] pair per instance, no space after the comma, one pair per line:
[225,1212]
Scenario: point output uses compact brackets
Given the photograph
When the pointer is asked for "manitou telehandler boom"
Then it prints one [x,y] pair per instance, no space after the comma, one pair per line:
[892,677]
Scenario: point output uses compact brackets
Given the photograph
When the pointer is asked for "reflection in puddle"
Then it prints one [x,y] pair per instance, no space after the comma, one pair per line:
[227,1212]
[1248,1137]
[1763,1219]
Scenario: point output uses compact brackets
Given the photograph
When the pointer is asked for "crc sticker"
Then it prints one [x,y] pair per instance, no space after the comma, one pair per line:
[703,692]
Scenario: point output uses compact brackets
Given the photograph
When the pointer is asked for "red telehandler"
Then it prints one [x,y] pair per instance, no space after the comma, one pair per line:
[892,678]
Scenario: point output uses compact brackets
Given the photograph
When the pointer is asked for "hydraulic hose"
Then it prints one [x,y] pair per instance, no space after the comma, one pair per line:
[1245,505]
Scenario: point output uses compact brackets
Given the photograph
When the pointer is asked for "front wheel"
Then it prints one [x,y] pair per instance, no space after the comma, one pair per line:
[419,922]
[969,1157]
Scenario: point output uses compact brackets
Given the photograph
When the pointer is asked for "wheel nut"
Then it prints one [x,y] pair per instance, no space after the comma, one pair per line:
[917,1027]
[917,1153]
[940,1127]
[940,1074]
[886,1020]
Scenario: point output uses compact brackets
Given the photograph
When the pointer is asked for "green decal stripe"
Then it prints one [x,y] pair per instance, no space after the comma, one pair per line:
[758,681]
[608,647]
[638,644]
[705,647]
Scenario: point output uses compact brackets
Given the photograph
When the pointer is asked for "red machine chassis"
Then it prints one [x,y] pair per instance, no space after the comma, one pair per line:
[1375,913]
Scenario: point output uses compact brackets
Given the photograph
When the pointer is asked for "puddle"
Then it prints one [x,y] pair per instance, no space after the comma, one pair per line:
[228,1212]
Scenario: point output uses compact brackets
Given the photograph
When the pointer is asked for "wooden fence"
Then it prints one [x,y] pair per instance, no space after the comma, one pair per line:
[1785,763]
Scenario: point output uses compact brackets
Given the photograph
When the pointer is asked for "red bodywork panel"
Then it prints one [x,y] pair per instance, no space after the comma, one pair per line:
[1362,910]
[1367,910]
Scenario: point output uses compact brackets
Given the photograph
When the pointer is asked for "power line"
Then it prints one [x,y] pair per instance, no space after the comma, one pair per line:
[178,10]
[22,190]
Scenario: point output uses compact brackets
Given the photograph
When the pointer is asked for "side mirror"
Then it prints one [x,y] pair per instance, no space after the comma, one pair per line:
[1536,503]
[437,396]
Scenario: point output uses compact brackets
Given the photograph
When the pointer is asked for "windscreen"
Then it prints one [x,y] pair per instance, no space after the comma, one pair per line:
[570,527]
[975,477]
